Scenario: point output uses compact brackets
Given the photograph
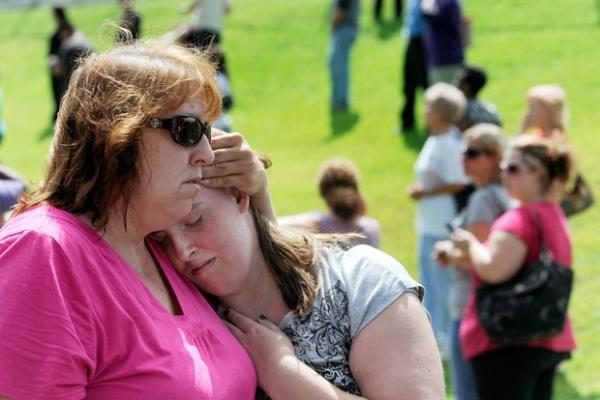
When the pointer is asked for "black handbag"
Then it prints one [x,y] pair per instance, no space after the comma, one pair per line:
[579,198]
[531,305]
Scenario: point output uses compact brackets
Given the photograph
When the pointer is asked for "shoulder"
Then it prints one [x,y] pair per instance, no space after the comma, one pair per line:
[365,266]
[517,221]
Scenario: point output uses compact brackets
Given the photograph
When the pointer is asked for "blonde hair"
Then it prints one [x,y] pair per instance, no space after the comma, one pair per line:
[553,97]
[490,136]
[93,164]
[447,100]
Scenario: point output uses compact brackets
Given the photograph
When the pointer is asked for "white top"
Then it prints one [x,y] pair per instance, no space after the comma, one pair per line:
[208,15]
[440,162]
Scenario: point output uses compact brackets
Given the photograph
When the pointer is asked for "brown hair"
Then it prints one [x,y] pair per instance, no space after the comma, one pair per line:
[292,255]
[338,185]
[553,155]
[93,163]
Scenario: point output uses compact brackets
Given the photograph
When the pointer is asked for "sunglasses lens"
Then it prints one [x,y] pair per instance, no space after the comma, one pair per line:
[188,131]
[513,169]
[472,153]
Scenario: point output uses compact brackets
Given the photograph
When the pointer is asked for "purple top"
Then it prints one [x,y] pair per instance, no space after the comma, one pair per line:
[443,43]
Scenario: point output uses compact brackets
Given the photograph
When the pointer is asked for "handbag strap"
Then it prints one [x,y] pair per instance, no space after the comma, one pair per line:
[545,255]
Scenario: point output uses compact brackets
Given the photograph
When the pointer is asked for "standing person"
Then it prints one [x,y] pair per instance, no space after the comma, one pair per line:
[378,6]
[439,175]
[481,161]
[338,186]
[12,186]
[546,114]
[91,307]
[130,25]
[206,28]
[344,28]
[2,125]
[56,79]
[414,72]
[533,168]
[352,320]
[443,39]
[470,81]
[74,46]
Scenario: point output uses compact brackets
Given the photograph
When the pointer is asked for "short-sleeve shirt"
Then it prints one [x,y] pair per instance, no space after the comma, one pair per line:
[439,163]
[485,205]
[356,286]
[520,223]
[77,322]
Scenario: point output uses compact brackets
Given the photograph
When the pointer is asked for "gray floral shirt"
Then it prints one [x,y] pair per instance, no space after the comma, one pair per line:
[356,285]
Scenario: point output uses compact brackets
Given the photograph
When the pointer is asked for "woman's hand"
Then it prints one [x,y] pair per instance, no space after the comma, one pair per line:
[416,191]
[266,344]
[235,165]
[447,254]
[462,240]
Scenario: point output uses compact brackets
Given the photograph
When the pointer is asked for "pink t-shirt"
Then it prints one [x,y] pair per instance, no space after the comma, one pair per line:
[77,322]
[520,223]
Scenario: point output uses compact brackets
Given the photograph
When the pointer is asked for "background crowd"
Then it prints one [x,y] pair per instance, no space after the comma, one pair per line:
[457,176]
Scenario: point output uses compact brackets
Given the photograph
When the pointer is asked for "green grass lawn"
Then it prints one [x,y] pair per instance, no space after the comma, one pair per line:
[277,57]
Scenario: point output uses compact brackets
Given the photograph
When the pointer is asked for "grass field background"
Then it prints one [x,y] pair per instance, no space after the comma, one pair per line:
[276,52]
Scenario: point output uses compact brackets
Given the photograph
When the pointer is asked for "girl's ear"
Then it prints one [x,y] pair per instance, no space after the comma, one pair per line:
[242,199]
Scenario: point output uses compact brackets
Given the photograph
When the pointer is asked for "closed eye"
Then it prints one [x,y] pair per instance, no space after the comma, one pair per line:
[194,224]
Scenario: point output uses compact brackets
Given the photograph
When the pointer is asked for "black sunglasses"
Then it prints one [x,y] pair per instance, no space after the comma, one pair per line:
[512,169]
[472,153]
[185,130]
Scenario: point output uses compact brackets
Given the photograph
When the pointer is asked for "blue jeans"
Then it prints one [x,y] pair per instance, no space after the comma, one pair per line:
[461,371]
[436,280]
[339,60]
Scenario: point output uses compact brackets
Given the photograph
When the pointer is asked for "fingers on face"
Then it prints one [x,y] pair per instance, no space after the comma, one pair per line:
[228,141]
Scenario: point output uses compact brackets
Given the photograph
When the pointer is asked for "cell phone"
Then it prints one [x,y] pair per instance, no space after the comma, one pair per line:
[449,227]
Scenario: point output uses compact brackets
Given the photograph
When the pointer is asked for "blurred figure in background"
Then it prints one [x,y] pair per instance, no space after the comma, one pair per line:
[130,22]
[378,6]
[12,186]
[440,175]
[532,168]
[2,126]
[483,153]
[547,117]
[344,28]
[57,80]
[206,28]
[338,185]
[73,46]
[470,81]
[443,39]
[547,111]
[414,72]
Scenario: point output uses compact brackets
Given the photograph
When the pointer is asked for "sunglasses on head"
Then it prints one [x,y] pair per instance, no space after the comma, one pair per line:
[472,153]
[185,130]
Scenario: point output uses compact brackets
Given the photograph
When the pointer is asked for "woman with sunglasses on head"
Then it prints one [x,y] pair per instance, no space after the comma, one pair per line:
[534,168]
[92,308]
[484,148]
[320,320]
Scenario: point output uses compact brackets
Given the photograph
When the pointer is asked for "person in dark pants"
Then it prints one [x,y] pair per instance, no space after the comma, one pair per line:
[130,22]
[415,68]
[378,6]
[56,80]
